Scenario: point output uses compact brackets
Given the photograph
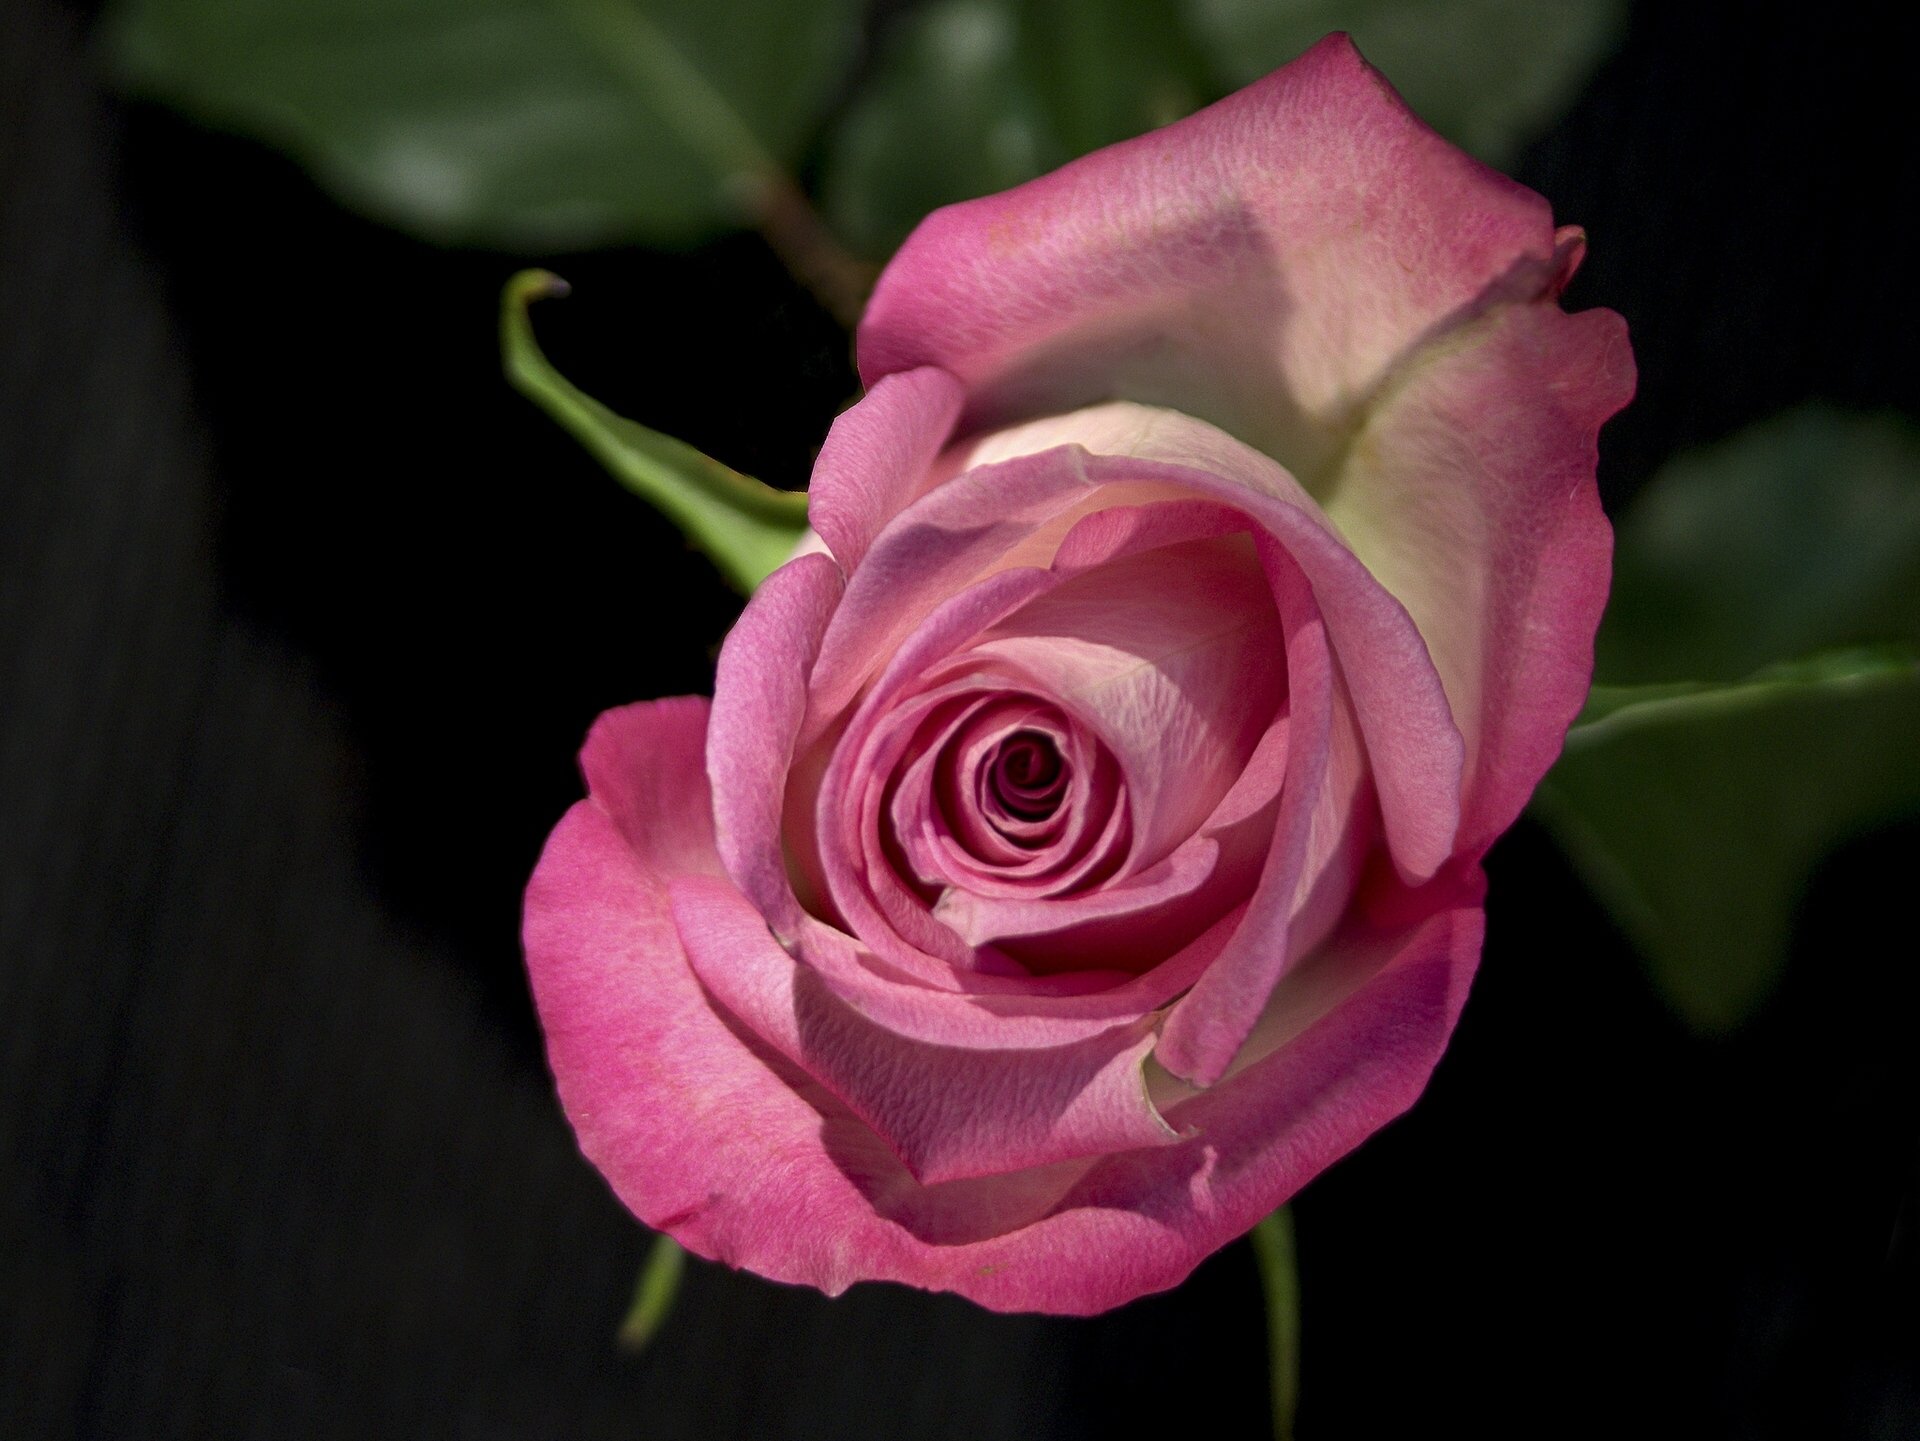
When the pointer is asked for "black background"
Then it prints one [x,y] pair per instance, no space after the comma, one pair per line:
[302,614]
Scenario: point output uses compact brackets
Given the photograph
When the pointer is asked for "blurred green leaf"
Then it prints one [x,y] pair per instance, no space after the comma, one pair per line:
[973,96]
[1698,818]
[1798,534]
[946,115]
[749,529]
[1613,709]
[1697,808]
[519,123]
[1273,1252]
[1107,69]
[1490,75]
[653,1294]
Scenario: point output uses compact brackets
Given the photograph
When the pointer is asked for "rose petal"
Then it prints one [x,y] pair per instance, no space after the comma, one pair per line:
[1141,1221]
[1146,896]
[1470,494]
[1260,264]
[647,806]
[946,541]
[1174,657]
[946,1112]
[849,798]
[759,702]
[1207,1026]
[877,457]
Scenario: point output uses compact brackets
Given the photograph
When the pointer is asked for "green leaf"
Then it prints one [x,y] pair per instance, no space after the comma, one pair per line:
[1614,709]
[516,123]
[1104,70]
[749,529]
[945,116]
[1273,1251]
[1490,75]
[1697,814]
[969,97]
[1703,783]
[1799,534]
[653,1294]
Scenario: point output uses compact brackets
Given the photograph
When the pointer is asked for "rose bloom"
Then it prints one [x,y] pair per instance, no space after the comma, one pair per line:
[1082,847]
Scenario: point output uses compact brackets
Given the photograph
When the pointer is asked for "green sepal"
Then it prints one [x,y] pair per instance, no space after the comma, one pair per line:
[747,528]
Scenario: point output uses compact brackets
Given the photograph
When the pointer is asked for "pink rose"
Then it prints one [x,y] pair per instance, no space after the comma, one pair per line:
[1082,847]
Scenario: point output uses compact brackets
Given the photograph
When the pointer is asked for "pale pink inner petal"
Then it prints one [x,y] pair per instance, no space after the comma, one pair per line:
[1415,749]
[1211,1021]
[1175,658]
[1011,798]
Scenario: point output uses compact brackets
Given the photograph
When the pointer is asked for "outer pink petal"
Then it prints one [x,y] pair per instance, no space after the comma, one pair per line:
[1261,264]
[877,458]
[760,700]
[1141,1221]
[1470,494]
[946,1112]
[647,806]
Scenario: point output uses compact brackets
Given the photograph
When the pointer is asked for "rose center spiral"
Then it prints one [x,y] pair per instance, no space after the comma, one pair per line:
[1026,775]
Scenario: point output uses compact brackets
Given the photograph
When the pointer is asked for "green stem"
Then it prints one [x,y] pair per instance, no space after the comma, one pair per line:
[703,119]
[1279,1279]
[794,231]
[653,1295]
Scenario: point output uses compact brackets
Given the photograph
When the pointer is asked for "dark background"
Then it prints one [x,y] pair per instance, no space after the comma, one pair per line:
[302,614]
